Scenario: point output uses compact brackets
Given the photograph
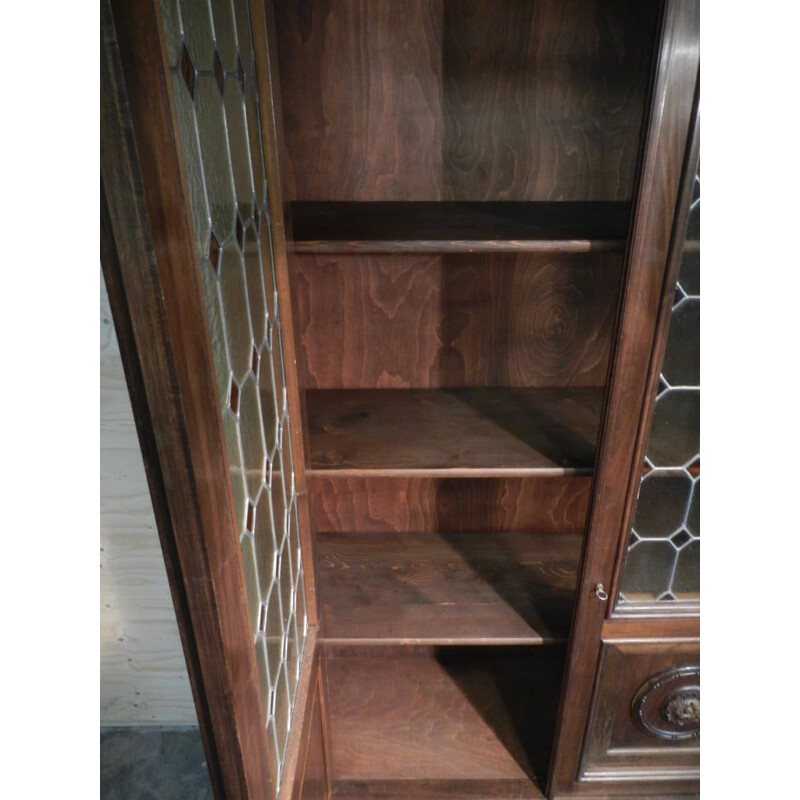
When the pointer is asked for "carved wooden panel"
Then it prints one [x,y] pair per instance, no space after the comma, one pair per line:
[668,705]
[645,721]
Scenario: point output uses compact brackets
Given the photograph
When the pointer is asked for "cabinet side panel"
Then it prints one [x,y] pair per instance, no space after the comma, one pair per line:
[315,776]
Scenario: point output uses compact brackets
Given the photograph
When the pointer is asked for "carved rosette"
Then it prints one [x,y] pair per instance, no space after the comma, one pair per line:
[682,709]
[667,706]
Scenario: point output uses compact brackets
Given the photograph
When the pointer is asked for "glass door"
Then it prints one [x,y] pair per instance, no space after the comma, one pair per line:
[662,563]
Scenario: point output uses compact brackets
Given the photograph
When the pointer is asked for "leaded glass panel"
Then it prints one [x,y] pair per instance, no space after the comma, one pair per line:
[662,565]
[210,54]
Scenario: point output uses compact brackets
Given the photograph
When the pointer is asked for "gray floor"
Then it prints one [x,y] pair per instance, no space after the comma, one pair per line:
[146,762]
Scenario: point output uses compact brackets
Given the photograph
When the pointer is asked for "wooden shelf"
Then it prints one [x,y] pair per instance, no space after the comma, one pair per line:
[452,432]
[464,588]
[441,227]
[464,722]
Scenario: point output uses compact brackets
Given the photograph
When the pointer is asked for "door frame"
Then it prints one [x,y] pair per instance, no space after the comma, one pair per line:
[666,137]
[152,273]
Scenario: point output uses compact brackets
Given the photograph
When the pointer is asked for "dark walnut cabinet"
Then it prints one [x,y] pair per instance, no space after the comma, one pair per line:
[408,299]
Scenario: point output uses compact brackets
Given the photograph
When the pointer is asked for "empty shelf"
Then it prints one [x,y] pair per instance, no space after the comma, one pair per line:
[406,227]
[463,588]
[453,432]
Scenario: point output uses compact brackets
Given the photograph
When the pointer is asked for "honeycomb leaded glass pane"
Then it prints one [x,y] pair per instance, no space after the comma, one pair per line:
[663,559]
[210,54]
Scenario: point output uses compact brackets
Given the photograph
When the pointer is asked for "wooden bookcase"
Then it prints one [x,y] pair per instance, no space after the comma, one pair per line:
[476,214]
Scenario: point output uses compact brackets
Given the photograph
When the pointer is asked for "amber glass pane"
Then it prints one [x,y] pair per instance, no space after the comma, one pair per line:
[663,559]
[209,49]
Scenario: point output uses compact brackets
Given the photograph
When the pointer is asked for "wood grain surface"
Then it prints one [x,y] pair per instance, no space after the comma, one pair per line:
[452,227]
[456,432]
[477,319]
[461,714]
[549,505]
[463,100]
[315,778]
[465,588]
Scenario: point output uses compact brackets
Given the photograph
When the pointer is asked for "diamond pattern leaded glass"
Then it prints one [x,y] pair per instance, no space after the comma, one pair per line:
[210,55]
[663,559]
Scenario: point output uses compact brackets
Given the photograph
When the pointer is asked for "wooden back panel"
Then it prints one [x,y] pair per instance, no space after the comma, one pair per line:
[463,99]
[471,319]
[450,505]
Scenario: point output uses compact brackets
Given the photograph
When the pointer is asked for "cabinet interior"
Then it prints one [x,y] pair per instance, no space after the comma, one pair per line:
[459,177]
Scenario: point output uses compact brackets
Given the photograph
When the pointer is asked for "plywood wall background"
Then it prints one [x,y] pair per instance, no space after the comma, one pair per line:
[143,676]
